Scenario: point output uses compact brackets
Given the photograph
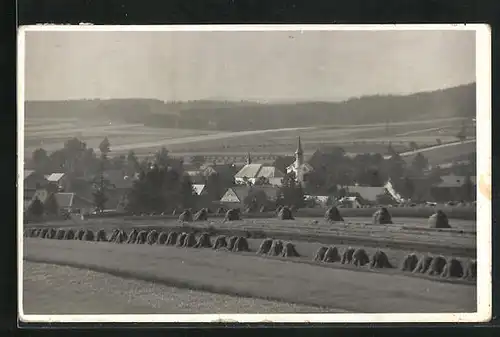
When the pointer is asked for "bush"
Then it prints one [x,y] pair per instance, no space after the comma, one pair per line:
[132,236]
[470,272]
[347,256]
[60,234]
[380,260]
[439,220]
[289,250]
[172,239]
[162,238]
[88,235]
[232,215]
[382,217]
[360,257]
[101,236]
[220,242]
[409,263]
[423,264]
[437,266]
[141,238]
[231,242]
[152,237]
[241,245]
[333,214]
[453,268]
[265,246]
[331,255]
[320,254]
[180,239]
[276,248]
[285,214]
[201,215]
[186,216]
[203,241]
[189,240]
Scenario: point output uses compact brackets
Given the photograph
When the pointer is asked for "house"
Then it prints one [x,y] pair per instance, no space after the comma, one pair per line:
[60,180]
[33,180]
[235,196]
[452,187]
[368,194]
[200,189]
[72,203]
[253,172]
[351,202]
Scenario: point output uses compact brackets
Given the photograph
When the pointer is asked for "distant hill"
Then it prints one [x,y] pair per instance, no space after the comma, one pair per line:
[236,116]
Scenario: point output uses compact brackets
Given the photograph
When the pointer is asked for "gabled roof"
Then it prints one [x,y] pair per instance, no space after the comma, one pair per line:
[193,173]
[239,193]
[198,188]
[305,167]
[248,171]
[369,193]
[454,181]
[224,169]
[270,172]
[54,177]
[27,173]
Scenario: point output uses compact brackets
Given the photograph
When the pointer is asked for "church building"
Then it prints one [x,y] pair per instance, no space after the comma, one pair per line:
[299,167]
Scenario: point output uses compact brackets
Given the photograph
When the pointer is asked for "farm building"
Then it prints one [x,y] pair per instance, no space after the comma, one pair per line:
[253,172]
[453,187]
[66,202]
[200,189]
[33,180]
[60,180]
[235,196]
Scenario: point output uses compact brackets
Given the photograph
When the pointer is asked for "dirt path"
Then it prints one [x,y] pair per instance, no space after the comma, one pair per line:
[51,289]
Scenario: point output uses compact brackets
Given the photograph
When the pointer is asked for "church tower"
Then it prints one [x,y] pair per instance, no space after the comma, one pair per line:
[299,155]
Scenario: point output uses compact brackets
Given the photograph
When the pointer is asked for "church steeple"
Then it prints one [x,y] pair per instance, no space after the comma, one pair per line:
[249,159]
[299,154]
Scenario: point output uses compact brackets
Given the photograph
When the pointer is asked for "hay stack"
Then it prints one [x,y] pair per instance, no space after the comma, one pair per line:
[278,209]
[437,266]
[88,235]
[27,233]
[141,238]
[162,238]
[382,217]
[360,258]
[201,215]
[33,232]
[172,239]
[470,272]
[232,215]
[51,234]
[265,246]
[380,260]
[114,234]
[423,264]
[189,240]
[203,241]
[101,236]
[186,216]
[333,214]
[289,250]
[347,256]
[152,237]
[320,253]
[60,234]
[80,234]
[285,214]
[231,243]
[180,239]
[276,248]
[220,242]
[409,263]
[132,236]
[121,237]
[174,212]
[43,233]
[263,209]
[439,220]
[331,255]
[453,268]
[241,245]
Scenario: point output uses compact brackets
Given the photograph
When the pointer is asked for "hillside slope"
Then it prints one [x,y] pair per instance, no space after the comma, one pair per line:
[237,116]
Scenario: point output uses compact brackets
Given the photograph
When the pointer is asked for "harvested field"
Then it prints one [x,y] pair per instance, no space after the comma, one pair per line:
[246,274]
[52,289]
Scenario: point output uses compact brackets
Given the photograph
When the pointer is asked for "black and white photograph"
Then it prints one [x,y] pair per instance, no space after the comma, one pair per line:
[293,173]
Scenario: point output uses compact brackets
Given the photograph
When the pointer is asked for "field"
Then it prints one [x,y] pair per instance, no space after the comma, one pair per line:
[248,275]
[50,133]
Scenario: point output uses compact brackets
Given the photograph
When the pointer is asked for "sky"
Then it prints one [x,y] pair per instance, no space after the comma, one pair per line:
[258,66]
